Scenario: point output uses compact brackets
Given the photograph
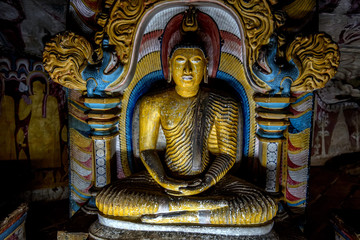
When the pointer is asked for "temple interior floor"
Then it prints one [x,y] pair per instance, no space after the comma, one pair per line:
[334,188]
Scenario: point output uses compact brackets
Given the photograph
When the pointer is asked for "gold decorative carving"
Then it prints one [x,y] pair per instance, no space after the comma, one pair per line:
[317,57]
[120,26]
[258,25]
[65,56]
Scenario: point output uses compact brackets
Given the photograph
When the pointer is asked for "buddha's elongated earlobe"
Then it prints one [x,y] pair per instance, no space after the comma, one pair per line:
[206,72]
[169,77]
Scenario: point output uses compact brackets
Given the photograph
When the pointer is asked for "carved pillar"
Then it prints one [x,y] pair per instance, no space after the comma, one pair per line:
[273,121]
[307,64]
[70,61]
[103,120]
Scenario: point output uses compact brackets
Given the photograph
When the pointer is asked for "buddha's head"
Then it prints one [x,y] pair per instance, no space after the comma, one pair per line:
[190,45]
[38,87]
[188,67]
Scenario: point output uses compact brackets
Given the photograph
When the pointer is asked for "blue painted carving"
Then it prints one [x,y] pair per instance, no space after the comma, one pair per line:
[101,106]
[273,105]
[269,135]
[281,76]
[96,78]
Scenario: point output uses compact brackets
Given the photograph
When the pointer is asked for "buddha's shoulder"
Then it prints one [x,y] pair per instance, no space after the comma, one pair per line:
[158,97]
[219,95]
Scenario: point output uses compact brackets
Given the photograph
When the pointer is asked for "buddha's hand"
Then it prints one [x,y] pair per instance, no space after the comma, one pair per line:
[195,187]
[171,184]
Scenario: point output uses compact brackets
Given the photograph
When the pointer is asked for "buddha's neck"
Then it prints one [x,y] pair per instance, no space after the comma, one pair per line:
[187,92]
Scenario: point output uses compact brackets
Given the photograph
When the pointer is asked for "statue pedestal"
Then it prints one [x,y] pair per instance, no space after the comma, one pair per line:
[107,228]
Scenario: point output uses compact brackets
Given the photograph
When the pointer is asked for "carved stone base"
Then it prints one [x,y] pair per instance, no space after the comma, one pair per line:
[106,228]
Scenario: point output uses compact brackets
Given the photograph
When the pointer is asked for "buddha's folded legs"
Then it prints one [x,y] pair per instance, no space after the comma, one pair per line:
[140,195]
[231,201]
[246,204]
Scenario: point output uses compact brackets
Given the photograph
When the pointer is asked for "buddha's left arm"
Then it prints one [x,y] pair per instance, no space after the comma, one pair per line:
[226,124]
[226,127]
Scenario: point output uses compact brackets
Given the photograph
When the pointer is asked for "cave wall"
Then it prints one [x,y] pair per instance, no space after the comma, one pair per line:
[336,122]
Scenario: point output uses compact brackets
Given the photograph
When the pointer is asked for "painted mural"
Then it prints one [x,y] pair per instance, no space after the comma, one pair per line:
[336,122]
[34,121]
[33,118]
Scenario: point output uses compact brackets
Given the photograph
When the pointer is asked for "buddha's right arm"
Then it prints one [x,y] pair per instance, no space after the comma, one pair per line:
[149,124]
[153,164]
[24,109]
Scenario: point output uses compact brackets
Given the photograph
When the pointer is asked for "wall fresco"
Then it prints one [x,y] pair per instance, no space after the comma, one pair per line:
[336,122]
[34,115]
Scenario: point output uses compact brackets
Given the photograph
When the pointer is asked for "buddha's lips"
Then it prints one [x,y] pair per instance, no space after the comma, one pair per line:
[187,78]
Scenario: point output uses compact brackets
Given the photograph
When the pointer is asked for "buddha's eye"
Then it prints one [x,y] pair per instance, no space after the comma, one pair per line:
[180,59]
[196,59]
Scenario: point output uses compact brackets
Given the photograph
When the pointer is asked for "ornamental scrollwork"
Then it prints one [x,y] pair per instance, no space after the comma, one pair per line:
[317,58]
[310,62]
[259,26]
[65,56]
[120,25]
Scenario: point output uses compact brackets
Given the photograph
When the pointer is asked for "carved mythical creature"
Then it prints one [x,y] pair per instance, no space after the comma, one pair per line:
[317,57]
[65,57]
[68,59]
[310,63]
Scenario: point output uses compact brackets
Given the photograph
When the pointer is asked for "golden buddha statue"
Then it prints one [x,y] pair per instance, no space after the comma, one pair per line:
[190,184]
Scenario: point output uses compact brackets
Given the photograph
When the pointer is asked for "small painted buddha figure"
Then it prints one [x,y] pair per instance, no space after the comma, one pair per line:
[44,126]
[190,184]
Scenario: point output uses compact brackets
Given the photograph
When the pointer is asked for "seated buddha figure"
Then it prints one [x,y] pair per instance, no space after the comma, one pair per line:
[190,183]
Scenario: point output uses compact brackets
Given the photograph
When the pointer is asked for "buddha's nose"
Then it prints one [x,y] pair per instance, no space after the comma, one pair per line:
[187,68]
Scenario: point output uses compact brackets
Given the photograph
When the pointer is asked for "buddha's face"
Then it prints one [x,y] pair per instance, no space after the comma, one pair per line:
[38,88]
[187,67]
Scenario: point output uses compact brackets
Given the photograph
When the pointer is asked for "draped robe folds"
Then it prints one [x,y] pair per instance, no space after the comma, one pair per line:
[209,125]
